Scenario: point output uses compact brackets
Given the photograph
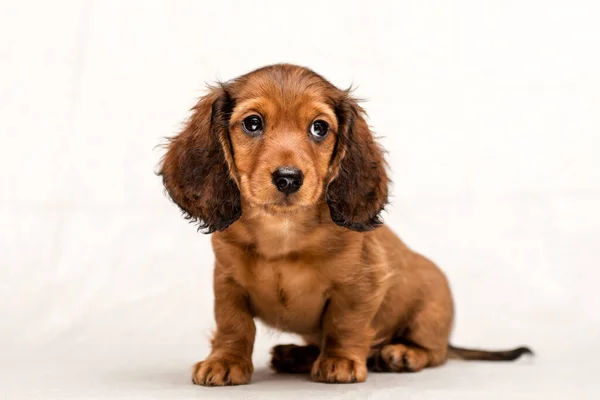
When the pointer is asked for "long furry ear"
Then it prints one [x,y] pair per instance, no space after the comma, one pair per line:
[197,168]
[358,190]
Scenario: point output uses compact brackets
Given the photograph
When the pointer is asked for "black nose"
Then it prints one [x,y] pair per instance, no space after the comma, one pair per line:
[288,179]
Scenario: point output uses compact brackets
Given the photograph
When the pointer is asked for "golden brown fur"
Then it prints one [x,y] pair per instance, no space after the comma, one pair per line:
[310,262]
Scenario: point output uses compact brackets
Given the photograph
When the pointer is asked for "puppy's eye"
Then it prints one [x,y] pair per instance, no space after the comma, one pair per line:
[252,125]
[319,129]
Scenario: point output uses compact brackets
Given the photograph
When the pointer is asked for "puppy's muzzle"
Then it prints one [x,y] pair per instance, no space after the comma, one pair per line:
[288,180]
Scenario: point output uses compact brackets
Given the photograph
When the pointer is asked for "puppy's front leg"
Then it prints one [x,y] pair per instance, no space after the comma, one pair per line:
[230,361]
[346,336]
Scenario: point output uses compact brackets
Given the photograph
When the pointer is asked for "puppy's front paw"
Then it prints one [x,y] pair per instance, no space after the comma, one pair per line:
[222,371]
[338,370]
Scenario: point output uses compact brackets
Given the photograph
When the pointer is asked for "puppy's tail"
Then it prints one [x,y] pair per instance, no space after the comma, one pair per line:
[485,355]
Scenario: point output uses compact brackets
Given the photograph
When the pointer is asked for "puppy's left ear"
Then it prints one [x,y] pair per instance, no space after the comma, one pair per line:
[358,190]
[198,168]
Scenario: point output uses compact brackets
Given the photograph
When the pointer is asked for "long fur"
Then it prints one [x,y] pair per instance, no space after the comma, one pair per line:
[318,262]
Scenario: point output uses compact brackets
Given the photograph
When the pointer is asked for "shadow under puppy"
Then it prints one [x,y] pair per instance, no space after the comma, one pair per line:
[282,167]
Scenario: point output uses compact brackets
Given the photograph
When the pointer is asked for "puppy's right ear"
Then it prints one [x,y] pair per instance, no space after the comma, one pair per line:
[198,170]
[359,191]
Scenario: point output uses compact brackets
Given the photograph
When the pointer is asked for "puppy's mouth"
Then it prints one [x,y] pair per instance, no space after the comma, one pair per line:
[282,212]
[287,205]
[274,202]
[286,201]
[280,206]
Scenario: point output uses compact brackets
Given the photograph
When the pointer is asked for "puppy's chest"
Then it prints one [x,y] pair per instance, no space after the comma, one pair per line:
[278,236]
[287,294]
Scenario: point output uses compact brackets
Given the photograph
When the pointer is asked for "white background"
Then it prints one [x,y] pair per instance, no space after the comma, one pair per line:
[489,111]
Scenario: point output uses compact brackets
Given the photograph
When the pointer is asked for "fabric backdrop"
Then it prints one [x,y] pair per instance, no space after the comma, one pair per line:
[489,111]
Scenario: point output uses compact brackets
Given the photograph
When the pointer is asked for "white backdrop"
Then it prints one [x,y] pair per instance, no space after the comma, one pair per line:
[490,111]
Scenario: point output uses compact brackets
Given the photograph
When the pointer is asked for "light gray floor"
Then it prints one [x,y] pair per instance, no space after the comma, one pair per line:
[145,371]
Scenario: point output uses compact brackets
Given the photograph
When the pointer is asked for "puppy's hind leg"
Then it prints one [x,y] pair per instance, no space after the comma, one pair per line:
[423,344]
[293,359]
[401,357]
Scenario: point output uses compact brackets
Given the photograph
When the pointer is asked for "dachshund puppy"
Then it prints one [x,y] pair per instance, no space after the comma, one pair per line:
[282,167]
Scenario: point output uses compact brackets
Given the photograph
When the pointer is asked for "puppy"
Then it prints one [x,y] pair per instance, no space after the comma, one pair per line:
[281,166]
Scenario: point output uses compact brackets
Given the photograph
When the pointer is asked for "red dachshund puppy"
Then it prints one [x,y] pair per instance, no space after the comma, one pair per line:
[282,167]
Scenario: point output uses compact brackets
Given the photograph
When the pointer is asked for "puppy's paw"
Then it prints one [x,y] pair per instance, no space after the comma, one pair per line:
[222,371]
[338,370]
[293,359]
[401,358]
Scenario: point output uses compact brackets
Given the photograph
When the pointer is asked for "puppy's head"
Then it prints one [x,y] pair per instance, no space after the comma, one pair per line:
[283,139]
